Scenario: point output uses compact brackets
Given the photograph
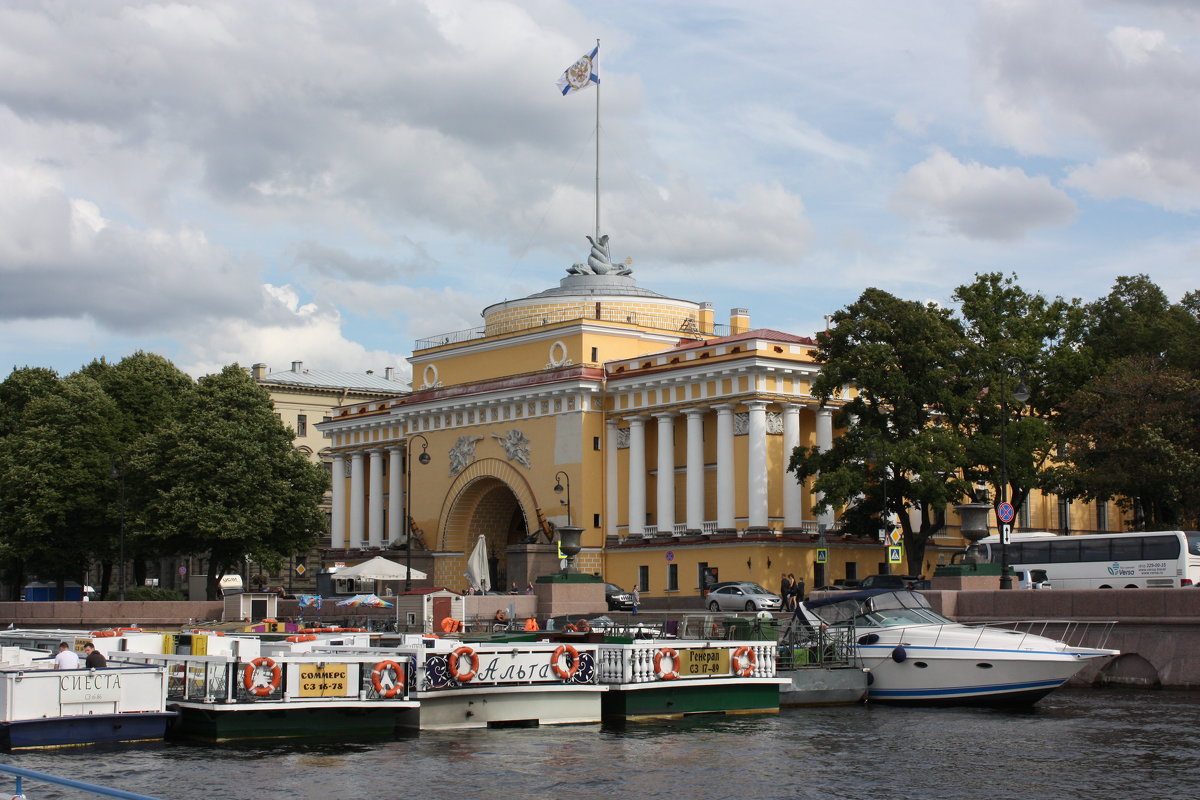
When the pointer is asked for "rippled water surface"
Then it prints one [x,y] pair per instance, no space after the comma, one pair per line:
[1073,744]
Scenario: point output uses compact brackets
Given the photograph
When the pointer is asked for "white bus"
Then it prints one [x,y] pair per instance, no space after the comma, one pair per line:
[1149,559]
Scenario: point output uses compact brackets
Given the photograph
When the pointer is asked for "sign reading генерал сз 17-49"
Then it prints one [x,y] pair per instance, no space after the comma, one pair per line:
[89,687]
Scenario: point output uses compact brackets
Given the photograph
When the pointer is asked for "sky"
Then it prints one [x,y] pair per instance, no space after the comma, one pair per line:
[286,180]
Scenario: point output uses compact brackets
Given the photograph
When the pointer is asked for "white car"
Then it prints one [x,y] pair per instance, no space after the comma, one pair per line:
[744,596]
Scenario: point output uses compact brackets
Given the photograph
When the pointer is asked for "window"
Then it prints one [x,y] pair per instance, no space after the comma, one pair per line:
[596,443]
[1064,552]
[302,425]
[1162,548]
[643,579]
[1094,551]
[851,570]
[1101,515]
[672,577]
[595,520]
[1064,514]
[1023,516]
[595,354]
[701,573]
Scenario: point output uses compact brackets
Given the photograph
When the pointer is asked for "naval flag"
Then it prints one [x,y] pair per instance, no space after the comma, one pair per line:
[580,75]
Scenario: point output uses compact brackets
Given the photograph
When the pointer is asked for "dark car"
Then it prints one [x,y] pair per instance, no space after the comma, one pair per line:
[618,599]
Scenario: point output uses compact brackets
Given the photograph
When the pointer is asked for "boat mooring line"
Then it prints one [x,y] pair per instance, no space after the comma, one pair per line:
[87,787]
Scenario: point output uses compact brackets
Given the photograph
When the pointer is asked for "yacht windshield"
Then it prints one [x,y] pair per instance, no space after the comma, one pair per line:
[884,609]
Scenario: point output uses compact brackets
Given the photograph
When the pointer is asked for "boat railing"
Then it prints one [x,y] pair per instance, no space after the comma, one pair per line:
[43,777]
[1072,632]
[802,645]
[651,661]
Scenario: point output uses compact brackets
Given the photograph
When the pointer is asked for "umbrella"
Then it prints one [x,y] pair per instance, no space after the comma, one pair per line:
[477,566]
[379,569]
[369,600]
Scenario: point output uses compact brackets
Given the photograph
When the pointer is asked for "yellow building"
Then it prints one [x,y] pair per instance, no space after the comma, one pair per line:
[665,434]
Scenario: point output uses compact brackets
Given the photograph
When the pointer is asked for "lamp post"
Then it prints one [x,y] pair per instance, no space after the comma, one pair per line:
[424,458]
[116,474]
[1020,394]
[559,477]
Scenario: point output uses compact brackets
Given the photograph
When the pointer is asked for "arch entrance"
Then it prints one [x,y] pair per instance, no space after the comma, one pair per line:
[490,498]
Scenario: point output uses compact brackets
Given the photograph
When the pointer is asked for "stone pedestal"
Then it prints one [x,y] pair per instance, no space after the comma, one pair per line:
[569,594]
[527,561]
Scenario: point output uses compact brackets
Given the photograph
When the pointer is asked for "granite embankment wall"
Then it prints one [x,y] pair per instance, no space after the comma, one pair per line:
[1157,630]
[107,614]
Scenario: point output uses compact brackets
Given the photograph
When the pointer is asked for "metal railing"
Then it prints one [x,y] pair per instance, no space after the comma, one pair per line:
[803,645]
[656,322]
[104,791]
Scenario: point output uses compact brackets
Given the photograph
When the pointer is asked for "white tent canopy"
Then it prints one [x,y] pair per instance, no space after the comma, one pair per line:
[379,569]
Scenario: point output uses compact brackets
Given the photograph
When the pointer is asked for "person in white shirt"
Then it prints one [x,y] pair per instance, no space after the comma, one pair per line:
[66,658]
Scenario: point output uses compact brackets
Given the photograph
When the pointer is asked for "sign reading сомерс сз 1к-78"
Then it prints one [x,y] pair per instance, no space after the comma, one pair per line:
[89,687]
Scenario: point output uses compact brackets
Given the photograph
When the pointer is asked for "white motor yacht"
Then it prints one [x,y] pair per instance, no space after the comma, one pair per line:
[916,656]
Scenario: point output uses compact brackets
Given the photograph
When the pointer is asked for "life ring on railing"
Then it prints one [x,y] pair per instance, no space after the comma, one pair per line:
[397,685]
[248,676]
[120,631]
[666,675]
[455,662]
[559,670]
[451,625]
[102,634]
[308,637]
[583,626]
[746,657]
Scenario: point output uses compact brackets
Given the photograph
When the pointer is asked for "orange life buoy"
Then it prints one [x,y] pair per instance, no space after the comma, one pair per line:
[664,674]
[377,675]
[570,628]
[531,624]
[746,658]
[565,673]
[455,661]
[102,634]
[119,631]
[308,637]
[248,676]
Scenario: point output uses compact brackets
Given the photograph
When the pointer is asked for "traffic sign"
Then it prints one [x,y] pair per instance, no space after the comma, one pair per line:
[1005,532]
[1006,512]
[894,555]
[894,536]
[822,555]
[300,570]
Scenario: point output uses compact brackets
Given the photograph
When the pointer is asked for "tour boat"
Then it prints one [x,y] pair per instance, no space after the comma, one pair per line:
[916,656]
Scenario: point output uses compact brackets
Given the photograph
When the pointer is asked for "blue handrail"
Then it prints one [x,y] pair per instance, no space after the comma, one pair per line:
[87,787]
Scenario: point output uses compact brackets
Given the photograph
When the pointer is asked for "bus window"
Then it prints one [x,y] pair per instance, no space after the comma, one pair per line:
[1127,549]
[1066,552]
[1034,553]
[1160,547]
[1095,550]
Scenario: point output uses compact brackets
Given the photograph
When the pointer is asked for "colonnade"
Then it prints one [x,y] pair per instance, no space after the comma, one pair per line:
[757,478]
[367,499]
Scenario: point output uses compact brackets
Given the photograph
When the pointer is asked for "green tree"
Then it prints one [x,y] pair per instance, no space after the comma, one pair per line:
[224,480]
[903,420]
[57,503]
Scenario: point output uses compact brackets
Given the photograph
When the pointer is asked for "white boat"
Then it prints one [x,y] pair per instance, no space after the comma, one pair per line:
[44,707]
[916,656]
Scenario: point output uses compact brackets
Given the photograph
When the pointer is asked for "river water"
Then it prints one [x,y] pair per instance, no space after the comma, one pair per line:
[1075,743]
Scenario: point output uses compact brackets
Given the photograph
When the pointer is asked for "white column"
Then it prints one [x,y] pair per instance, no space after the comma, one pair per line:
[793,491]
[756,465]
[695,469]
[337,522]
[375,500]
[725,496]
[637,476]
[356,501]
[395,494]
[665,513]
[611,490]
[824,442]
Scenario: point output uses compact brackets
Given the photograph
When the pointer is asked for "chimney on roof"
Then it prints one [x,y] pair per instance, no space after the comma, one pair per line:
[389,373]
[739,320]
[706,318]
[258,372]
[297,366]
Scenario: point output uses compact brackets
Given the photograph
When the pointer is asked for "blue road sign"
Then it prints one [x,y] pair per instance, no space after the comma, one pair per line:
[1005,512]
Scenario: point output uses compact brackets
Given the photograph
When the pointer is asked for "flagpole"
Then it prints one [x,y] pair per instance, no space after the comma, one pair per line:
[597,152]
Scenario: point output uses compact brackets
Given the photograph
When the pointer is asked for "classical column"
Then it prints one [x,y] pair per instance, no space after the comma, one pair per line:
[695,469]
[793,492]
[725,496]
[756,465]
[665,513]
[337,521]
[356,501]
[395,494]
[375,500]
[824,442]
[637,476]
[611,490]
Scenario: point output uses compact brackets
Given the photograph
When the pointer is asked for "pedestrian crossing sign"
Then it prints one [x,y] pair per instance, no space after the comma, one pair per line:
[822,555]
[894,555]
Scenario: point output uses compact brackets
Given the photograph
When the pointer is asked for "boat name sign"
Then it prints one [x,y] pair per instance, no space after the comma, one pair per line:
[89,687]
[324,680]
[701,663]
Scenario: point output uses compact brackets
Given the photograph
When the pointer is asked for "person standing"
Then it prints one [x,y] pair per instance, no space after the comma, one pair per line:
[66,657]
[637,599]
[95,659]
[785,591]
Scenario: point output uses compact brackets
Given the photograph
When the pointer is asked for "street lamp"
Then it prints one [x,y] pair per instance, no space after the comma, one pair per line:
[1020,394]
[558,489]
[116,474]
[424,458]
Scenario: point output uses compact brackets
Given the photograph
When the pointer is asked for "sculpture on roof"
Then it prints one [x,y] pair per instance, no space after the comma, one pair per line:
[599,261]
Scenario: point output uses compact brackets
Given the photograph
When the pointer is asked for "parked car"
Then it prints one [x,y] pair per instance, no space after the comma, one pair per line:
[878,582]
[618,599]
[743,596]
[1031,579]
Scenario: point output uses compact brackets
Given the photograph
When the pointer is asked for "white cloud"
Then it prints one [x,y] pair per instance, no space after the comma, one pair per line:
[1172,184]
[979,201]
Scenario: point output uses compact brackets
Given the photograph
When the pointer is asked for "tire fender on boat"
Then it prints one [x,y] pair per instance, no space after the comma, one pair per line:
[746,657]
[659,657]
